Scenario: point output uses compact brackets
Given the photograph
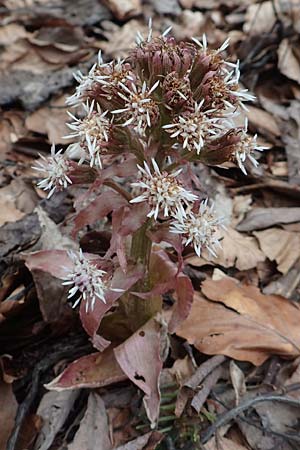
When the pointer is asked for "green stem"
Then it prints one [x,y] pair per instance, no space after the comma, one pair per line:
[138,310]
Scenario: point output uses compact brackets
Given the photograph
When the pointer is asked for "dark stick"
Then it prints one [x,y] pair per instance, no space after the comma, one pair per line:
[228,416]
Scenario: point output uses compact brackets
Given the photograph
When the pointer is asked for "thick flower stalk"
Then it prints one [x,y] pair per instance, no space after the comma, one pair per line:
[140,125]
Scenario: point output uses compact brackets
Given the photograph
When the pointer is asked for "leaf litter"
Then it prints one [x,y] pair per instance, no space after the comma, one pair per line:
[238,341]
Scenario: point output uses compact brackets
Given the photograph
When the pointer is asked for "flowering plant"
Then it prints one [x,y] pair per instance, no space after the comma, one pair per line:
[139,128]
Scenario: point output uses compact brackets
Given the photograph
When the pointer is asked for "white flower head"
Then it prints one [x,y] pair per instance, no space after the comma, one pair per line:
[199,229]
[194,128]
[86,280]
[56,168]
[246,147]
[140,110]
[92,132]
[162,191]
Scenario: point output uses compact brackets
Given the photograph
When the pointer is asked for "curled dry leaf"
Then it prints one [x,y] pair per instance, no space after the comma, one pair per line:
[281,246]
[91,371]
[260,218]
[139,357]
[93,432]
[240,322]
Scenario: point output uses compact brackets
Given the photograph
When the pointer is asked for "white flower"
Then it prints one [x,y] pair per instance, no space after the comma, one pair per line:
[199,229]
[85,83]
[140,39]
[245,147]
[86,280]
[231,84]
[93,133]
[56,168]
[195,128]
[140,109]
[162,191]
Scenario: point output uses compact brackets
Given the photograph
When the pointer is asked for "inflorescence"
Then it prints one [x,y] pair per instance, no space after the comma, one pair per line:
[169,104]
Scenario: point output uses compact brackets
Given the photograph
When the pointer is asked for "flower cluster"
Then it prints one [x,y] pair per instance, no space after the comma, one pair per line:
[88,282]
[168,105]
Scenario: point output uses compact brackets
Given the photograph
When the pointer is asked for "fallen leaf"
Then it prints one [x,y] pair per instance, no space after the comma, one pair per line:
[259,218]
[16,200]
[238,251]
[139,357]
[260,18]
[93,431]
[263,121]
[281,246]
[54,410]
[123,9]
[240,322]
[223,443]
[10,33]
[51,120]
[238,381]
[288,64]
[91,371]
[148,441]
[121,39]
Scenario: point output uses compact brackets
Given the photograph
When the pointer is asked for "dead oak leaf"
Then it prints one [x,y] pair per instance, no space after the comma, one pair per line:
[240,322]
[238,250]
[281,246]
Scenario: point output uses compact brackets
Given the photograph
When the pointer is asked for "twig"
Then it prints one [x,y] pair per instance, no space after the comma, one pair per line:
[228,416]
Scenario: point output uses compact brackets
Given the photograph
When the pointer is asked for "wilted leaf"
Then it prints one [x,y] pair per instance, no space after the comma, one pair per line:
[139,357]
[281,246]
[93,431]
[240,322]
[16,200]
[91,371]
[53,409]
[263,121]
[259,218]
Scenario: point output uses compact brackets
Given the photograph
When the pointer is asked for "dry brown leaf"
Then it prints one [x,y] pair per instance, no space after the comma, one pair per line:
[238,251]
[121,39]
[260,18]
[93,431]
[281,246]
[288,64]
[259,218]
[10,33]
[240,322]
[51,120]
[224,444]
[16,200]
[263,121]
[123,9]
